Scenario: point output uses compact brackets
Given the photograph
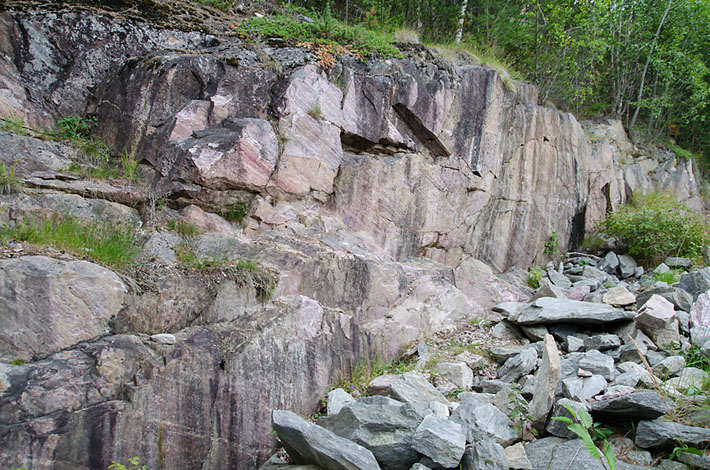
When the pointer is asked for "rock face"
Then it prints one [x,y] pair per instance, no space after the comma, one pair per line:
[47,305]
[378,200]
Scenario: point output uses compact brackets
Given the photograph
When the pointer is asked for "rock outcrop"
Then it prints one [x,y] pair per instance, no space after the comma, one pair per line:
[343,215]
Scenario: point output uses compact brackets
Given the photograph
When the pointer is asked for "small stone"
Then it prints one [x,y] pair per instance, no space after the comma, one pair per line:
[619,296]
[547,290]
[602,342]
[583,388]
[700,311]
[669,366]
[503,353]
[474,361]
[517,458]
[458,373]
[677,262]
[164,338]
[598,363]
[574,344]
[534,332]
[661,269]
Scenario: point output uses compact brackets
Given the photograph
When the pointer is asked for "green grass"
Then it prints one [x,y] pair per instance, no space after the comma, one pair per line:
[236,212]
[9,182]
[108,243]
[223,5]
[325,31]
[670,277]
[364,371]
[129,164]
[77,132]
[183,228]
[14,124]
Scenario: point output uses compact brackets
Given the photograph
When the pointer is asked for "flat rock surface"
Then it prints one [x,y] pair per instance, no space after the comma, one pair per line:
[550,310]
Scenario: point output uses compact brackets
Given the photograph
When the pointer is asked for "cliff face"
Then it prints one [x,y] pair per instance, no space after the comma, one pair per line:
[378,196]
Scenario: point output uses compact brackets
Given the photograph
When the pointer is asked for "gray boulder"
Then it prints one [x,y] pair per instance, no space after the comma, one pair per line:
[485,455]
[609,263]
[559,280]
[414,389]
[598,363]
[518,366]
[483,421]
[666,435]
[695,282]
[627,266]
[555,453]
[546,383]
[634,406]
[382,425]
[678,262]
[583,388]
[549,310]
[337,399]
[681,299]
[441,440]
[602,342]
[669,366]
[309,443]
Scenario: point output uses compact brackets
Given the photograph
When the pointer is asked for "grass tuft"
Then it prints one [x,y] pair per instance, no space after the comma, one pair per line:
[110,244]
[9,182]
[14,124]
[183,228]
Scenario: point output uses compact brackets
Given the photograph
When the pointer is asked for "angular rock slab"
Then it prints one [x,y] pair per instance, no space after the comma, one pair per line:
[641,405]
[548,379]
[309,443]
[656,313]
[441,440]
[414,389]
[559,454]
[549,310]
[485,455]
[380,424]
[483,421]
[518,365]
[337,400]
[47,304]
[667,434]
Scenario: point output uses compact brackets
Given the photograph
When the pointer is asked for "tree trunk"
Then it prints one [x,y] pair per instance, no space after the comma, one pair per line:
[648,61]
[462,16]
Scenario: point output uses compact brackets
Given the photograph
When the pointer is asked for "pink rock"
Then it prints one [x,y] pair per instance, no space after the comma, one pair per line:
[193,117]
[211,223]
[577,293]
[309,91]
[657,312]
[700,311]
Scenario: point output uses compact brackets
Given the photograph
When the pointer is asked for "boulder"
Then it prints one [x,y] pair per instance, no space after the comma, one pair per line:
[558,279]
[549,310]
[602,342]
[696,282]
[598,363]
[547,380]
[556,453]
[634,406]
[667,434]
[619,296]
[656,313]
[678,262]
[668,367]
[459,373]
[483,421]
[583,388]
[441,440]
[485,455]
[337,399]
[380,424]
[680,299]
[308,443]
[517,458]
[48,304]
[609,263]
[414,389]
[627,266]
[700,311]
[518,365]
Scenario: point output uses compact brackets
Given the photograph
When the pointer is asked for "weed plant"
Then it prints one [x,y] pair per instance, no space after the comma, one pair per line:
[535,275]
[364,371]
[9,182]
[110,244]
[183,228]
[236,212]
[14,124]
[669,277]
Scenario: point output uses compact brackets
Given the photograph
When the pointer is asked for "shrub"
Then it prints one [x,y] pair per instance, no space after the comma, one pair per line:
[534,276]
[75,127]
[655,226]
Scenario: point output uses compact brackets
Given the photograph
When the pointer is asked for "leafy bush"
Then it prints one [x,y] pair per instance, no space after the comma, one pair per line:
[75,127]
[655,226]
[534,276]
[110,244]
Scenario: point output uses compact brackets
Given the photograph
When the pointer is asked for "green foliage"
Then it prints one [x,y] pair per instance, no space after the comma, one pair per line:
[17,362]
[364,371]
[236,212]
[185,229]
[133,464]
[535,274]
[655,226]
[75,128]
[129,165]
[552,245]
[315,112]
[110,244]
[670,277]
[248,265]
[223,5]
[14,124]
[187,257]
[9,182]
[581,424]
[323,31]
